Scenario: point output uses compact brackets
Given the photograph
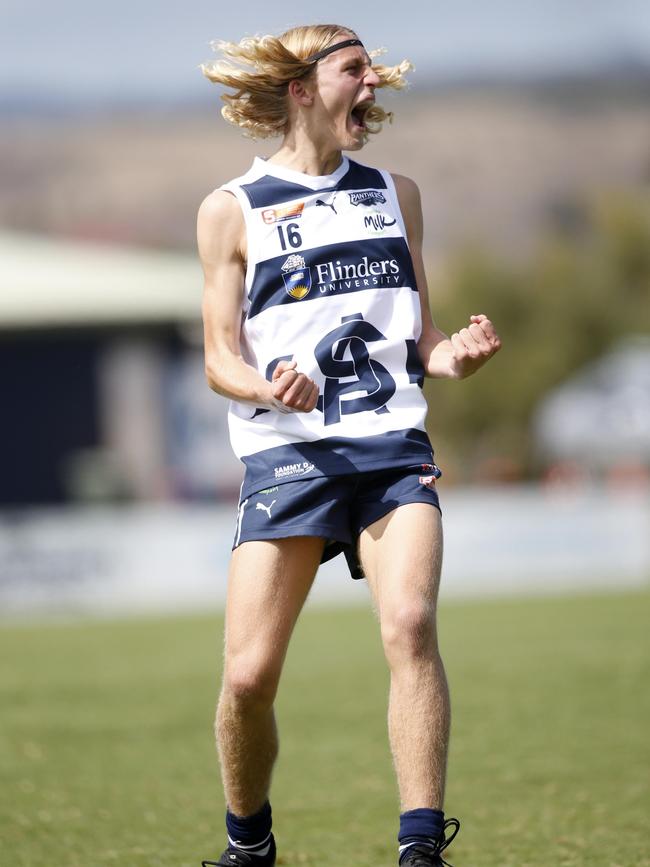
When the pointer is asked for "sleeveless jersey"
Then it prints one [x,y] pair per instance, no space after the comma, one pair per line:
[329,283]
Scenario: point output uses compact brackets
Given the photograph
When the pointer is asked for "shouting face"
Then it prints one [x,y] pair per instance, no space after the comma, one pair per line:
[340,92]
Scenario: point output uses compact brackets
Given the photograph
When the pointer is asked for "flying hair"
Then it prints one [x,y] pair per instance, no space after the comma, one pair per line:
[259,68]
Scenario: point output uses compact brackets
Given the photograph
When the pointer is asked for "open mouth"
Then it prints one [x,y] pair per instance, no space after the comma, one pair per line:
[358,113]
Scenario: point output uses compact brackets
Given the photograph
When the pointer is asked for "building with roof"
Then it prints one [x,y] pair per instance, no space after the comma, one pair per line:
[102,376]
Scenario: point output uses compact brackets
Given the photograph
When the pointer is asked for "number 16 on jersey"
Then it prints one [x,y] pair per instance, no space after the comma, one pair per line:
[292,235]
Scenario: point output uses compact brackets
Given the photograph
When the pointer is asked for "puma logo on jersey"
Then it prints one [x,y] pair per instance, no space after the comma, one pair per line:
[267,509]
[327,204]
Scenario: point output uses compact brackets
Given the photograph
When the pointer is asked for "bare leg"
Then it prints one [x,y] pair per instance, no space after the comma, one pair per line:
[267,587]
[402,555]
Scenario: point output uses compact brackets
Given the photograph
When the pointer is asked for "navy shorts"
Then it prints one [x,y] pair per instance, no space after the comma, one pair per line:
[337,508]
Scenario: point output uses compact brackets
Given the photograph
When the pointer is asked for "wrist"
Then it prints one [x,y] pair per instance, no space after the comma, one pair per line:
[439,361]
[265,396]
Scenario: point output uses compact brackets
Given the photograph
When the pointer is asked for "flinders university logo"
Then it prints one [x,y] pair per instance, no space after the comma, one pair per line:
[297,277]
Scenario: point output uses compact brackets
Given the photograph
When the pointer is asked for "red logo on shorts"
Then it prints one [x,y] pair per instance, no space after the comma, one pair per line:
[431,473]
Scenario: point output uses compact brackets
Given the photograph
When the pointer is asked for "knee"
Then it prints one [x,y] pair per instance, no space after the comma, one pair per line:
[409,632]
[249,685]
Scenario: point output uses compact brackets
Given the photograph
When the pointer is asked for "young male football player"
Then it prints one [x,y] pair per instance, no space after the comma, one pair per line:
[318,329]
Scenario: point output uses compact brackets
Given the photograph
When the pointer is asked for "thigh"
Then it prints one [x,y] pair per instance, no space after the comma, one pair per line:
[268,583]
[381,492]
[401,555]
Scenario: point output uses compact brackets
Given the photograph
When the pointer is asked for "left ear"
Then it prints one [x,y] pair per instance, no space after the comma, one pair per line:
[300,94]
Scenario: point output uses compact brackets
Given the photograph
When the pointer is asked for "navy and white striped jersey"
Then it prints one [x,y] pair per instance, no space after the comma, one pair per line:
[329,283]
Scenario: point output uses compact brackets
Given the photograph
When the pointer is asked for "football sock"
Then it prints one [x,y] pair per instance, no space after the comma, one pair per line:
[419,826]
[251,834]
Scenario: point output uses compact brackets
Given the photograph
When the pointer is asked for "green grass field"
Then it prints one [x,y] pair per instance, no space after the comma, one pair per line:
[107,757]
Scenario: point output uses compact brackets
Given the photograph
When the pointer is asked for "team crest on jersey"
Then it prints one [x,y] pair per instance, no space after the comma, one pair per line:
[279,215]
[367,198]
[297,277]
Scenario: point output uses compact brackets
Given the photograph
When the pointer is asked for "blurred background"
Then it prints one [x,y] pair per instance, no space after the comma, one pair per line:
[527,127]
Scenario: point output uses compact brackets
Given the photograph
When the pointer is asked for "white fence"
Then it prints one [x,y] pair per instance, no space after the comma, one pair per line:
[151,558]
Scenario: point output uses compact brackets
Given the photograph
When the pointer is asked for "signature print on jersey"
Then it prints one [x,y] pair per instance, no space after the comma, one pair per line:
[377,222]
[297,277]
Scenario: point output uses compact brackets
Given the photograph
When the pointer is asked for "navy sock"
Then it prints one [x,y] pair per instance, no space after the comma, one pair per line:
[419,826]
[252,834]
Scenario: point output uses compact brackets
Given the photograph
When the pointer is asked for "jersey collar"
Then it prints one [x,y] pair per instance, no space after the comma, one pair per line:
[312,182]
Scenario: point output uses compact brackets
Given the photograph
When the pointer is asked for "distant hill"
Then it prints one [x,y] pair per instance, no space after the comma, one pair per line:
[498,160]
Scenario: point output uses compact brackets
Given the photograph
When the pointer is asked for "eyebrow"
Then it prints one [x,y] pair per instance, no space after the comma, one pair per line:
[358,61]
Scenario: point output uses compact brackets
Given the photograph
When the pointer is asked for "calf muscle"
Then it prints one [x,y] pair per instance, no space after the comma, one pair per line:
[402,555]
[267,587]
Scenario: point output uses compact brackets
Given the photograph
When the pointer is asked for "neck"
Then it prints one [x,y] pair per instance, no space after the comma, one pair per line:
[302,154]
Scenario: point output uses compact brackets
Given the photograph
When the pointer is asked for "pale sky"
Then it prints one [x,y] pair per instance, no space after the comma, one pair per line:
[152,48]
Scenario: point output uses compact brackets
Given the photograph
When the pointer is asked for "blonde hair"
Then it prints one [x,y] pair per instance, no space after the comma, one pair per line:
[263,67]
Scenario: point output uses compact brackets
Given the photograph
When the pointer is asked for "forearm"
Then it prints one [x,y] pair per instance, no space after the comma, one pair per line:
[460,355]
[230,376]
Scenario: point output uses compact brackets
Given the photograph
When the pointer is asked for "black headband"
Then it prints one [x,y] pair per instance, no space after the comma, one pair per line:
[320,54]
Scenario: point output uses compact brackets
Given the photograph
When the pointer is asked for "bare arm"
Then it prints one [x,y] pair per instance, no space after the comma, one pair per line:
[442,357]
[221,235]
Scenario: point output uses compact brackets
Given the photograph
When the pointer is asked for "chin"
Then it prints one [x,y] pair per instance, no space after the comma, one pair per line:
[352,138]
[354,143]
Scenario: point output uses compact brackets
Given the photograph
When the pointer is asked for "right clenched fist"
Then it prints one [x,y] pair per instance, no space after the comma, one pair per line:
[292,391]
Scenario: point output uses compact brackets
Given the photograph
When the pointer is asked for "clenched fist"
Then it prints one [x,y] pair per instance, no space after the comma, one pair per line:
[292,391]
[473,346]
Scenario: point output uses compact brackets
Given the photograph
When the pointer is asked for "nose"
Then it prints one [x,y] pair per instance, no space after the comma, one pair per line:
[371,79]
